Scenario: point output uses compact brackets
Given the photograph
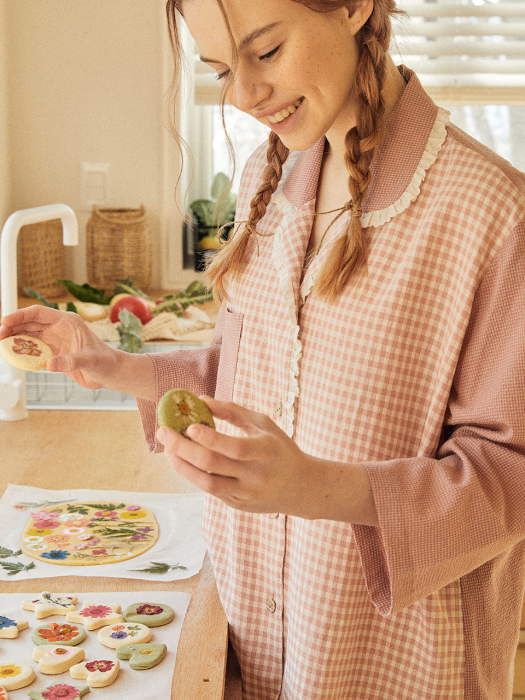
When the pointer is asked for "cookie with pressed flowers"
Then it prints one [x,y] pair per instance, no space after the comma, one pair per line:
[25,352]
[59,691]
[47,604]
[114,636]
[98,673]
[15,674]
[9,628]
[93,616]
[53,659]
[3,694]
[178,409]
[65,634]
[149,614]
[142,656]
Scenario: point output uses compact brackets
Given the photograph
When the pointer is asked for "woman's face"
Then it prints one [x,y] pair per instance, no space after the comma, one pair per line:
[296,67]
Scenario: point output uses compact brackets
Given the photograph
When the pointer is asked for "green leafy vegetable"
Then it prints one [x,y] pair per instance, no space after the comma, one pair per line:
[195,293]
[219,210]
[51,304]
[127,287]
[15,568]
[161,568]
[86,293]
[4,552]
[129,331]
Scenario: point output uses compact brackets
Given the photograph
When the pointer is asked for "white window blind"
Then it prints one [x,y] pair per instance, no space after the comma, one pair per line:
[464,51]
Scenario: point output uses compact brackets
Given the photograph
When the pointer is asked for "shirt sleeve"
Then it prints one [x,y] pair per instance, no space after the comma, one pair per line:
[442,518]
[194,370]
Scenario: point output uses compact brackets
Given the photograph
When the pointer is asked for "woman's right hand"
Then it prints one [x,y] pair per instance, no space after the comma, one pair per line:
[77,351]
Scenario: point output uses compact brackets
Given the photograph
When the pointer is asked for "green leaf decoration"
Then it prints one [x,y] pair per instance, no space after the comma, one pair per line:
[4,552]
[104,506]
[86,293]
[80,509]
[13,568]
[161,568]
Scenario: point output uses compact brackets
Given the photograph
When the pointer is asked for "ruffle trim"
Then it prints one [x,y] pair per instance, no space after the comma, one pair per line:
[435,141]
[285,283]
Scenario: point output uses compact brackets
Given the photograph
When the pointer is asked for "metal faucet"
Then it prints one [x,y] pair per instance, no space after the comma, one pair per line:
[12,380]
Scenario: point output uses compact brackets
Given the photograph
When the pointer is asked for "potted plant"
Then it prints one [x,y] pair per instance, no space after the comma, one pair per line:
[209,215]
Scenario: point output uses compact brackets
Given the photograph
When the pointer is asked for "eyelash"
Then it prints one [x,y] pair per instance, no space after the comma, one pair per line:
[266,57]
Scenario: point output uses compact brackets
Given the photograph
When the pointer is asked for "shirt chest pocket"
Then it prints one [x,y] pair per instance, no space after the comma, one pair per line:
[231,338]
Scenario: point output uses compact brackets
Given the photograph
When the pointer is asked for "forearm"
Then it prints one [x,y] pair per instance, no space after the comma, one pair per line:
[343,493]
[132,374]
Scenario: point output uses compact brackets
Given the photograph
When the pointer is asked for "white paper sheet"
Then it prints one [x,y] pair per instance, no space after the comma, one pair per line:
[130,684]
[180,541]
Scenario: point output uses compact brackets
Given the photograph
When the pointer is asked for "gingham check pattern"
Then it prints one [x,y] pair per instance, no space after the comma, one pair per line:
[419,374]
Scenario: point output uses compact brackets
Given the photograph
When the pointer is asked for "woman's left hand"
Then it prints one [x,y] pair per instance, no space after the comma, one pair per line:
[265,471]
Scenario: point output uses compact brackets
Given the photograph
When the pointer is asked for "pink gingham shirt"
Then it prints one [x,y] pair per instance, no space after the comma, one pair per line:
[419,375]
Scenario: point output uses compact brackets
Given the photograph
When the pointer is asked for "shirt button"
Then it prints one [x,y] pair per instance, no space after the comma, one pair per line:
[274,515]
[270,605]
[279,409]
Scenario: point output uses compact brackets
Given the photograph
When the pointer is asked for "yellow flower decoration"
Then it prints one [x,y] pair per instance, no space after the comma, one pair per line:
[133,514]
[10,671]
[38,533]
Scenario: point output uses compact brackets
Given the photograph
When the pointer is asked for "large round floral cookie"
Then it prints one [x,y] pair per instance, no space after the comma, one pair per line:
[86,534]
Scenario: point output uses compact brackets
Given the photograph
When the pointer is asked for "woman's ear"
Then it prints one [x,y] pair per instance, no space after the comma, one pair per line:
[358,14]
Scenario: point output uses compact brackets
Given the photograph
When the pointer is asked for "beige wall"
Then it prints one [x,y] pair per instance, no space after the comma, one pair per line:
[4,156]
[84,83]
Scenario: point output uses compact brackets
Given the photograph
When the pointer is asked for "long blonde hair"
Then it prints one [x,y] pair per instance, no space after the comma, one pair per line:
[348,255]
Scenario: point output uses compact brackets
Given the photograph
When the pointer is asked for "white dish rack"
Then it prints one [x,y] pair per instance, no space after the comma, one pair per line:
[54,391]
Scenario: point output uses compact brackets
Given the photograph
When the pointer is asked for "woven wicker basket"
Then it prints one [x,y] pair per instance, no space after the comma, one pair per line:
[41,258]
[118,247]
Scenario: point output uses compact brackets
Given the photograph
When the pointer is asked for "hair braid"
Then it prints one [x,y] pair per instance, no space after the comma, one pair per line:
[228,262]
[348,255]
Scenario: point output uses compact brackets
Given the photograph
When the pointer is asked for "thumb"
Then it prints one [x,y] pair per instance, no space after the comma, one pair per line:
[61,363]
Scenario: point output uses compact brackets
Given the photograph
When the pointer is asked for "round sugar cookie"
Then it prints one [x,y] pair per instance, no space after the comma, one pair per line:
[25,352]
[63,633]
[178,409]
[87,534]
[114,636]
[15,674]
[149,614]
[142,656]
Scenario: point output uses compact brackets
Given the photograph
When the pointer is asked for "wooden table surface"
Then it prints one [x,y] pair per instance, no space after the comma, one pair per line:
[106,450]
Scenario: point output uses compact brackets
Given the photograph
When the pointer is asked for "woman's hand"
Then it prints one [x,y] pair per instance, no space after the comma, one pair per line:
[78,352]
[265,471]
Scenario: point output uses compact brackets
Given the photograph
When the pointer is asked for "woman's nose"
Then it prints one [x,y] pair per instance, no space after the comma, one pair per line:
[247,90]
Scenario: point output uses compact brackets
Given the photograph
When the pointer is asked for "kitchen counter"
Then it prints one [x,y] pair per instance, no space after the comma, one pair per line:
[106,450]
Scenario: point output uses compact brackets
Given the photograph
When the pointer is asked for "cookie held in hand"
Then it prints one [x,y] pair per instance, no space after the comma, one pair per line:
[25,352]
[178,409]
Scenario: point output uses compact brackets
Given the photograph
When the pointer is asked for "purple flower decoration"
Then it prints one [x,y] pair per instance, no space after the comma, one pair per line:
[136,538]
[119,635]
[145,529]
[133,508]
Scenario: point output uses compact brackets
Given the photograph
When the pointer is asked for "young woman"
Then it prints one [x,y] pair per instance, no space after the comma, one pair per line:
[365,513]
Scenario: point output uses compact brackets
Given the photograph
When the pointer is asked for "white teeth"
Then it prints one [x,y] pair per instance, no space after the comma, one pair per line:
[279,116]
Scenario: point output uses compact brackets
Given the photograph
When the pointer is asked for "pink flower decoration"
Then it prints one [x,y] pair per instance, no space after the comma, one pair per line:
[20,506]
[77,522]
[101,666]
[133,508]
[95,540]
[46,524]
[96,611]
[86,537]
[60,691]
[57,539]
[106,514]
[99,551]
[73,531]
[77,547]
[26,347]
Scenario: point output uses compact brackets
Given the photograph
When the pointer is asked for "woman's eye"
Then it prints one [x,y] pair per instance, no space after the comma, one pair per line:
[269,54]
[222,75]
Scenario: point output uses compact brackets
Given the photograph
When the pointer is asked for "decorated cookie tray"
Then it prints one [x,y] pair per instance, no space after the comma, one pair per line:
[49,390]
[148,536]
[94,639]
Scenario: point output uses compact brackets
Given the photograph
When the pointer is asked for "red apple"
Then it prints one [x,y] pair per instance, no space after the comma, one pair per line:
[139,307]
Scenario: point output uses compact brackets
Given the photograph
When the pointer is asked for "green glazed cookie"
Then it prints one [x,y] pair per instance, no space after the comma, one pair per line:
[142,656]
[179,408]
[59,690]
[62,633]
[149,614]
